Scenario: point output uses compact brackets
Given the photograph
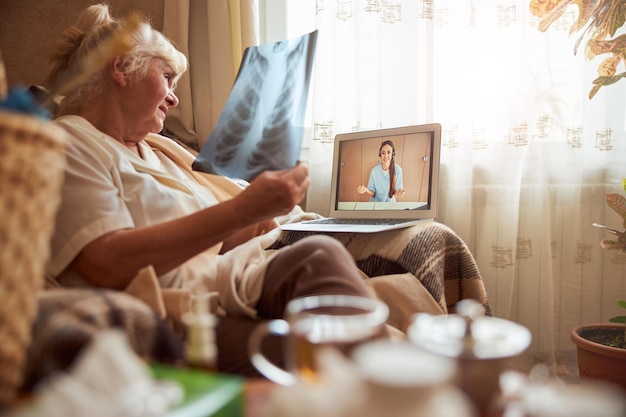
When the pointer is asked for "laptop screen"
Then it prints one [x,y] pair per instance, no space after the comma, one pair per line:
[390,173]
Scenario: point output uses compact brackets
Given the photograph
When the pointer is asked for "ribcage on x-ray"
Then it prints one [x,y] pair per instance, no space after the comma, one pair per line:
[274,145]
[240,123]
[236,128]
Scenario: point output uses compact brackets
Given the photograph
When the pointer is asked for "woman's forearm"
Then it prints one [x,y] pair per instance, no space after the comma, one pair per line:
[113,260]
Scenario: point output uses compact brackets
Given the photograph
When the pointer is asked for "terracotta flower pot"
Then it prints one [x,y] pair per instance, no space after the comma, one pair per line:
[598,361]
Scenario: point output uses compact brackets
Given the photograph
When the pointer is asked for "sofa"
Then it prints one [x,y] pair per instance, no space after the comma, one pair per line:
[424,268]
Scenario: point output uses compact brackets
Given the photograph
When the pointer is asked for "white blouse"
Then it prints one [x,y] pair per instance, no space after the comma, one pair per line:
[108,187]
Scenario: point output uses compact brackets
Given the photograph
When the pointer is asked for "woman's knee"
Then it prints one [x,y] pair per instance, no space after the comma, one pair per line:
[316,265]
[323,246]
[323,256]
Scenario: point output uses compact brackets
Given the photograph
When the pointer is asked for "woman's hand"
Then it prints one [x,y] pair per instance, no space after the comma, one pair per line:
[274,193]
[400,192]
[364,190]
[271,194]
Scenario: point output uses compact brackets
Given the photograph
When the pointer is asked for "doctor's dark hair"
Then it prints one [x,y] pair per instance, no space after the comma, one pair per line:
[392,166]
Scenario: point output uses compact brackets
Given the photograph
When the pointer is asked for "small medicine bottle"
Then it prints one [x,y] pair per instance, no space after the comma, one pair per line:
[200,345]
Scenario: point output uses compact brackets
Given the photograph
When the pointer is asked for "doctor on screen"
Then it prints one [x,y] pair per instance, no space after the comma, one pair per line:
[385,182]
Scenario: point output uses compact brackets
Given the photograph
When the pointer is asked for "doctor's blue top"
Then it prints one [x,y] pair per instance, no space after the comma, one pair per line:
[379,183]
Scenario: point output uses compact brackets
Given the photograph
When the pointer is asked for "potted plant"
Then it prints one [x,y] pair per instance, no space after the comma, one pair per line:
[597,21]
[601,348]
[600,351]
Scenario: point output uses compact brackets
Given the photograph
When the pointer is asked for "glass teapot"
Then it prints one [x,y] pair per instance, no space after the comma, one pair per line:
[483,347]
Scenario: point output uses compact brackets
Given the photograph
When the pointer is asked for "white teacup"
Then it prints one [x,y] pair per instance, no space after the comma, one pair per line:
[402,380]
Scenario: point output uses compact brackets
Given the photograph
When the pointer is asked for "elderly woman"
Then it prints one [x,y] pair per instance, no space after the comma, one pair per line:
[128,204]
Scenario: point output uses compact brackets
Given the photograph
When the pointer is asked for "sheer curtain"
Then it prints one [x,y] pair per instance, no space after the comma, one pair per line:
[527,157]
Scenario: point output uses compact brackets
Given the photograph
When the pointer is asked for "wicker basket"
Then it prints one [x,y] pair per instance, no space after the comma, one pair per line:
[32,162]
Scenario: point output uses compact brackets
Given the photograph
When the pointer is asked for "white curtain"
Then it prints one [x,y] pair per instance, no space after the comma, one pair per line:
[212,34]
[527,158]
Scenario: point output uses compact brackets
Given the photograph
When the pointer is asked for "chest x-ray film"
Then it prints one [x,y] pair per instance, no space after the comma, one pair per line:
[262,123]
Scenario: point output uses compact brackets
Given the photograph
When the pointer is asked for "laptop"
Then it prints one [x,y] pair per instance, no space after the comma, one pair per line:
[416,156]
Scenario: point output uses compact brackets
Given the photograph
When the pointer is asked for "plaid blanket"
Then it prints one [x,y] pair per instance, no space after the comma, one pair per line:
[436,257]
[68,319]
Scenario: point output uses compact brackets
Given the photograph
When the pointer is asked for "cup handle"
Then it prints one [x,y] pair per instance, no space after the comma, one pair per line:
[259,361]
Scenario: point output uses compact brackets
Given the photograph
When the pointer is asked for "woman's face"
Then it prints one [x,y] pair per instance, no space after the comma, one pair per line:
[386,153]
[149,99]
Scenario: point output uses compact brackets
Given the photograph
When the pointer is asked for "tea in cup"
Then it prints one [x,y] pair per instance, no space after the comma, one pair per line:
[313,323]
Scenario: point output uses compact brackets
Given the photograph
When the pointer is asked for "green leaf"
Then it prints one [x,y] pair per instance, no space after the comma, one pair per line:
[593,91]
[622,303]
[618,319]
[608,80]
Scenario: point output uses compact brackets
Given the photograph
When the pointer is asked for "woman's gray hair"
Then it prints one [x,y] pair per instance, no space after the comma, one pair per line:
[95,25]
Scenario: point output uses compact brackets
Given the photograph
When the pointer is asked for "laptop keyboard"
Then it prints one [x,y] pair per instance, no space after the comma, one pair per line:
[359,221]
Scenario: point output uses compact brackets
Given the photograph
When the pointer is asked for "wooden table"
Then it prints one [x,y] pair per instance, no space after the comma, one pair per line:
[257,393]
